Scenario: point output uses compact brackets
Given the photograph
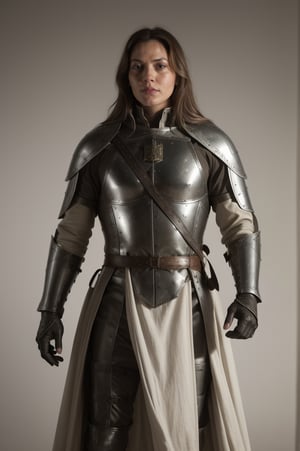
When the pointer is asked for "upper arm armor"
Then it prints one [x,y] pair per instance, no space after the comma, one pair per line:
[91,145]
[216,141]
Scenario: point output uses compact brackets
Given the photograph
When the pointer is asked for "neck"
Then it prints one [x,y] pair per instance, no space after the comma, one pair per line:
[158,119]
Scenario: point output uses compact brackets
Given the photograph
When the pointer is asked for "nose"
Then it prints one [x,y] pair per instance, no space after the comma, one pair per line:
[148,74]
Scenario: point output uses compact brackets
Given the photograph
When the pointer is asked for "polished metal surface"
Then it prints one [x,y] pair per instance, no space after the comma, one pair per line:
[61,272]
[206,133]
[216,141]
[244,259]
[132,223]
[240,190]
[91,145]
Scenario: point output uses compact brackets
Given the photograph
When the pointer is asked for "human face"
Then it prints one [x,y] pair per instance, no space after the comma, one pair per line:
[151,79]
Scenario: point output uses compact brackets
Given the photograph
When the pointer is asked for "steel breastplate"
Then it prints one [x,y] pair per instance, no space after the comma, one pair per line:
[133,224]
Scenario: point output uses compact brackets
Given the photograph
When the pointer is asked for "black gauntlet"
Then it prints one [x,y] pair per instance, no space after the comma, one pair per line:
[61,271]
[244,259]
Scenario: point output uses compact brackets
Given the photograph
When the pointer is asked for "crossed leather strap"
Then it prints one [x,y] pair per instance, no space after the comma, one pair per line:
[163,262]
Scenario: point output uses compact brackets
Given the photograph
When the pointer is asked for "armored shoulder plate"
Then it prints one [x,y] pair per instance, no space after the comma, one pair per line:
[216,141]
[91,145]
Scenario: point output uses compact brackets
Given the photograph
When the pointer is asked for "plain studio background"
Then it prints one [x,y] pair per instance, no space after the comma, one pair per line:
[58,62]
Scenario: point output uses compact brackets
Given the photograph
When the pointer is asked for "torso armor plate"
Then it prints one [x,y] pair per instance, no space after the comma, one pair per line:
[134,225]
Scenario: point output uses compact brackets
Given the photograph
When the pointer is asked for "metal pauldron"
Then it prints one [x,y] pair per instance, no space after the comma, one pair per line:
[90,146]
[217,142]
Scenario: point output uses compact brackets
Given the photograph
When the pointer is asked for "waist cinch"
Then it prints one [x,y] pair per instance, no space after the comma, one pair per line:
[166,262]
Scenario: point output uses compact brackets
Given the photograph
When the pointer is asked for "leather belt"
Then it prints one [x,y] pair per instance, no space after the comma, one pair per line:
[147,261]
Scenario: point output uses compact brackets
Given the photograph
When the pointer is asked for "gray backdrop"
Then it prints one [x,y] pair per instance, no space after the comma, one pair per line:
[58,60]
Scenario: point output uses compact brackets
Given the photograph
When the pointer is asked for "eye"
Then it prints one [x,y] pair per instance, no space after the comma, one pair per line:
[136,67]
[161,66]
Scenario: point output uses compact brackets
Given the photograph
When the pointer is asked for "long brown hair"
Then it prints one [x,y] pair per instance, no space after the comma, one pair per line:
[184,107]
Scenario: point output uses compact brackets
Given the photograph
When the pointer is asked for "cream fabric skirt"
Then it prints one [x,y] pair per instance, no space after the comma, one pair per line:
[166,407]
[166,413]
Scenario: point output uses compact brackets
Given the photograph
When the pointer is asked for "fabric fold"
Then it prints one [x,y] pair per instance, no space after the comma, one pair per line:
[166,407]
[162,339]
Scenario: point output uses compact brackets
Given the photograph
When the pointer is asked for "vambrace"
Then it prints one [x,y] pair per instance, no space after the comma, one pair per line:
[61,272]
[243,256]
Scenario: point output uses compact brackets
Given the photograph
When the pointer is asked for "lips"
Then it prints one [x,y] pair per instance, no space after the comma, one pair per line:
[149,90]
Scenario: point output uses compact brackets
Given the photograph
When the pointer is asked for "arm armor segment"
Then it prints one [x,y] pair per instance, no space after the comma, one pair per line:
[61,272]
[243,256]
[217,142]
[91,145]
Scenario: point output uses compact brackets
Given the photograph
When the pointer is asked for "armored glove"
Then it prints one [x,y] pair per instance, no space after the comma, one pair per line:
[61,271]
[244,259]
[244,309]
[50,328]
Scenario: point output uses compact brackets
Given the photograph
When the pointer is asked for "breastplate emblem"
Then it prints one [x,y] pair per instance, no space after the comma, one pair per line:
[153,151]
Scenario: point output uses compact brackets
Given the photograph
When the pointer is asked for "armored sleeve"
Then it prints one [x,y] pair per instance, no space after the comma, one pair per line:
[88,188]
[232,220]
[218,183]
[91,145]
